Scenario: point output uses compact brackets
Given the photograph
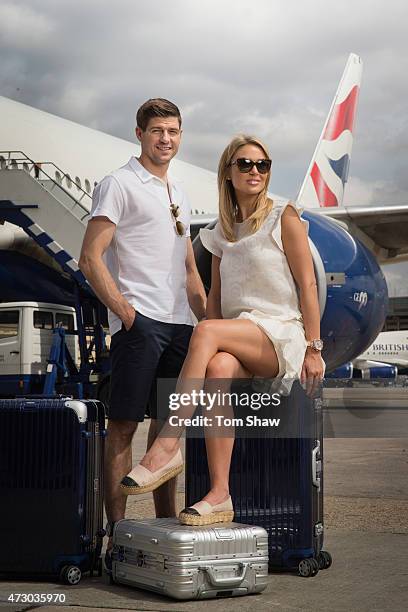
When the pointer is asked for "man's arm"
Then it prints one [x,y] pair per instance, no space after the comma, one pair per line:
[98,237]
[195,288]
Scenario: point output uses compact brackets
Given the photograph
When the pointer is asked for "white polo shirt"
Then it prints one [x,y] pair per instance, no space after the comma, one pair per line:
[146,258]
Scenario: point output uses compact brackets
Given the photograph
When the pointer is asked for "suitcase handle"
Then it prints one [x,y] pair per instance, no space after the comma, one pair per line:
[227,582]
[42,396]
[316,465]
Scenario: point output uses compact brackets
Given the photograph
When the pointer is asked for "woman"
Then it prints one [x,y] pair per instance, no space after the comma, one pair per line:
[262,315]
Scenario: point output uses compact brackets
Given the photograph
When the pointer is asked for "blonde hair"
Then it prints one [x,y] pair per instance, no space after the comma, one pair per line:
[228,205]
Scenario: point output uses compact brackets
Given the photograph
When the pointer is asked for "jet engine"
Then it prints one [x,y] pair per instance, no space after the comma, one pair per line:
[374,370]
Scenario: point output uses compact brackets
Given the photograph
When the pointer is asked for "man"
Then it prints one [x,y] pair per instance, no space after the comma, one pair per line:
[138,258]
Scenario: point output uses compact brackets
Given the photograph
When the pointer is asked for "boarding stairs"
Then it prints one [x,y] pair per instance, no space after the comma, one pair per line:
[47,211]
[32,199]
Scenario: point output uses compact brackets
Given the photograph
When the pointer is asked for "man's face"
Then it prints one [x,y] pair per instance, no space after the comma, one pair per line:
[161,140]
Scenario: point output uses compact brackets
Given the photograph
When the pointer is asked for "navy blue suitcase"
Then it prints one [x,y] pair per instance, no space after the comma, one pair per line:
[51,487]
[276,483]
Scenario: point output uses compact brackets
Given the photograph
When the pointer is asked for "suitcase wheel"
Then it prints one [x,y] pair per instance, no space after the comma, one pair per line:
[324,559]
[308,567]
[70,574]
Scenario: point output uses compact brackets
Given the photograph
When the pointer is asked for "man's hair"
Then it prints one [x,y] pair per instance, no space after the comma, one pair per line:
[156,107]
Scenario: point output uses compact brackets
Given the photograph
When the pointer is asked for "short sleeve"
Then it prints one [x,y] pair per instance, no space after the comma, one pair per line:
[211,240]
[276,231]
[107,200]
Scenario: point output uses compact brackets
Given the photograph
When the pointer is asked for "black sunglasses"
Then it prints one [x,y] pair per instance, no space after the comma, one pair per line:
[245,165]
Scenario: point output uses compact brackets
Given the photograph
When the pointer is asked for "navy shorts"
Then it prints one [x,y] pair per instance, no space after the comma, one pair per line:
[149,350]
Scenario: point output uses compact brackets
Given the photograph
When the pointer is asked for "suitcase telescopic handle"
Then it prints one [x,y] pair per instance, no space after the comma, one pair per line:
[226,582]
[316,465]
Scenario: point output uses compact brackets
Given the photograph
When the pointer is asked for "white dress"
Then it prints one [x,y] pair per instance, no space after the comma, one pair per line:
[257,284]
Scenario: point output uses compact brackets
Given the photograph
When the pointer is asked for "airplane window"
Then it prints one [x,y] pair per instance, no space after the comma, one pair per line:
[68,181]
[87,185]
[58,177]
[78,182]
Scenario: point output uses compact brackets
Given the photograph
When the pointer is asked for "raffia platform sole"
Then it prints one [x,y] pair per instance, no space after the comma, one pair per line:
[207,519]
[152,486]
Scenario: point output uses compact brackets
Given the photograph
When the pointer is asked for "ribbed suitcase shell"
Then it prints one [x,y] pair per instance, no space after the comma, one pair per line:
[51,488]
[275,483]
[184,562]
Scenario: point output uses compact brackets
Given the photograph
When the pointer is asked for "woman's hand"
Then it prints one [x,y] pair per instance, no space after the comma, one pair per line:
[312,371]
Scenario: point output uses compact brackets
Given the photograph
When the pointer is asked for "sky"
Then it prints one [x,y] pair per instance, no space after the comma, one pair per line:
[266,67]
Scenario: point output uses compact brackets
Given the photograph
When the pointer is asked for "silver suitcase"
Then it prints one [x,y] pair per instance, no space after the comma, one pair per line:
[161,555]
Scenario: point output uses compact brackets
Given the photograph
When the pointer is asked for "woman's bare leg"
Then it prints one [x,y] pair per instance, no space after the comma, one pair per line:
[240,338]
[220,441]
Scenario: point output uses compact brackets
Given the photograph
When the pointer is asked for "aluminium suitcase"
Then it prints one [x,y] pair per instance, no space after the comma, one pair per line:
[276,483]
[184,562]
[51,487]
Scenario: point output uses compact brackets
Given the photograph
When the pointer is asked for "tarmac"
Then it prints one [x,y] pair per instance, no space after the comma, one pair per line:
[366,532]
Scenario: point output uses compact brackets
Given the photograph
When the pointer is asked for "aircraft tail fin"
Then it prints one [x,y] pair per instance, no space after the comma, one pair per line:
[327,174]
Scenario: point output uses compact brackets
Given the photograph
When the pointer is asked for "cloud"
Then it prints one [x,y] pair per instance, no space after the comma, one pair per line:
[380,193]
[24,28]
[269,67]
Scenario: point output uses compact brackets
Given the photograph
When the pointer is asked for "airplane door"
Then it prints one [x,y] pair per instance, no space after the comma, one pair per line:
[10,342]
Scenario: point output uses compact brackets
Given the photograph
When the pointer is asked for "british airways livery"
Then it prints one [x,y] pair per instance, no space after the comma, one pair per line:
[328,172]
[386,357]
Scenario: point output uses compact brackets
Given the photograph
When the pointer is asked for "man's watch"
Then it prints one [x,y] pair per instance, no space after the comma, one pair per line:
[316,345]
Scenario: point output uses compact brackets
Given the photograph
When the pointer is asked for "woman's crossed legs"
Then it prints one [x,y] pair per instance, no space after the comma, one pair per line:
[219,349]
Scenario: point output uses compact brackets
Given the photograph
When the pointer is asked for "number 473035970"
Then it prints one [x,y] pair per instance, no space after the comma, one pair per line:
[37,597]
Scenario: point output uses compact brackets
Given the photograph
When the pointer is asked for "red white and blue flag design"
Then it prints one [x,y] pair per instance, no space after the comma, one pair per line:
[328,172]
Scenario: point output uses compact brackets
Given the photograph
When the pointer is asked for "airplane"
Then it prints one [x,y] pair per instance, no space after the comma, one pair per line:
[56,162]
[386,357]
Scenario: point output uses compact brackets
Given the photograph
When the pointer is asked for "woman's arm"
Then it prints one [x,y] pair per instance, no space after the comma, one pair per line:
[214,296]
[297,250]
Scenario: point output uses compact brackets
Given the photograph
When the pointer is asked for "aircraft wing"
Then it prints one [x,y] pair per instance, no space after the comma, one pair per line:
[362,363]
[401,363]
[383,229]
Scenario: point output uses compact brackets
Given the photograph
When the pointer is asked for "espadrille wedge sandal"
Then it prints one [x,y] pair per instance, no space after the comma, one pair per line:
[141,480]
[203,513]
